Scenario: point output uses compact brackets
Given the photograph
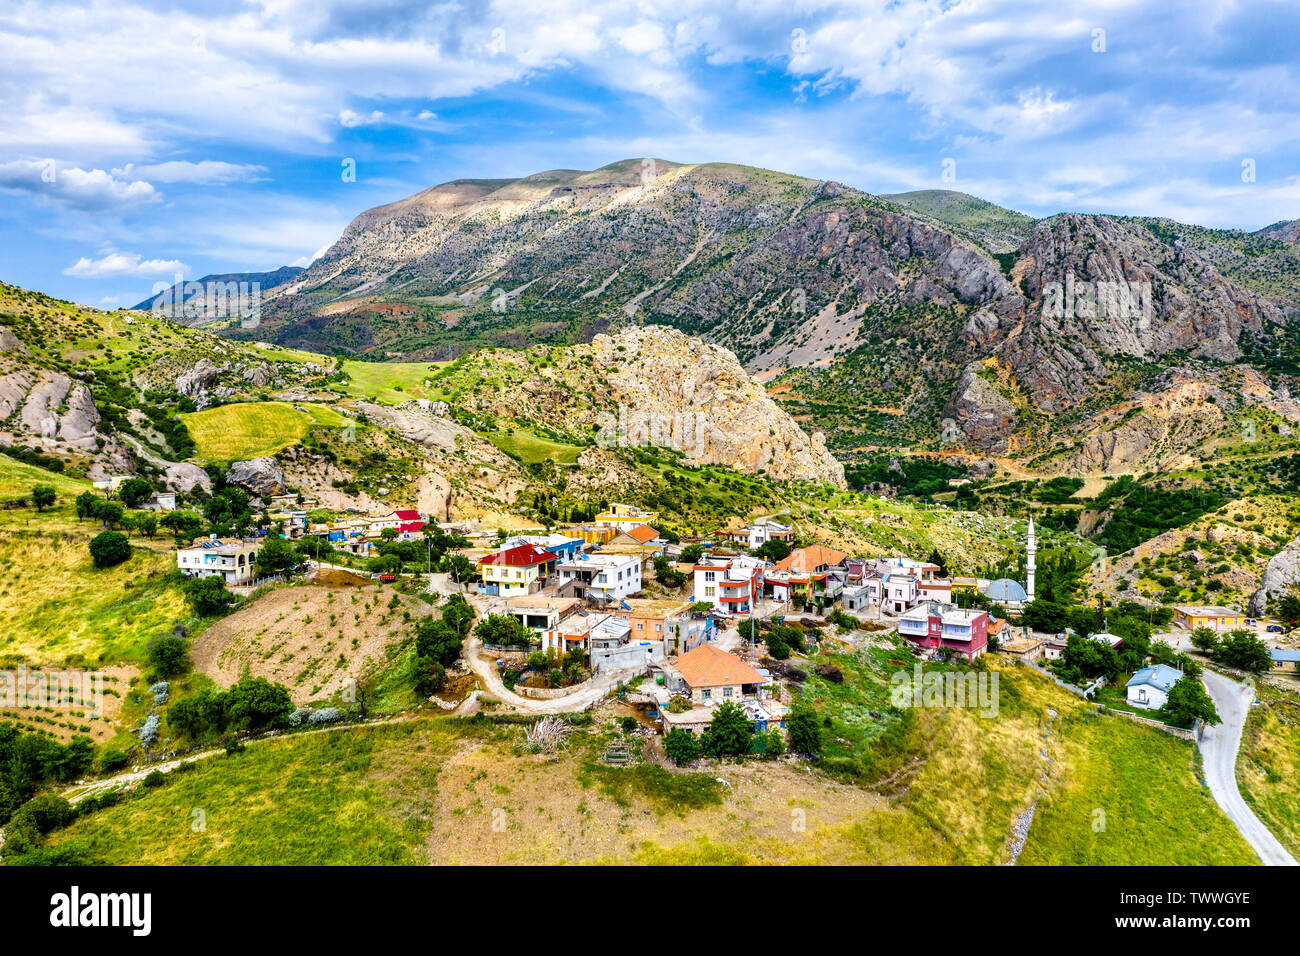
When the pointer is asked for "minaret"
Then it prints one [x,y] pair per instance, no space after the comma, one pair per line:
[1031,548]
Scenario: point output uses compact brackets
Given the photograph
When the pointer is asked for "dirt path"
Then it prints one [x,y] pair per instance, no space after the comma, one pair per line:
[1219,746]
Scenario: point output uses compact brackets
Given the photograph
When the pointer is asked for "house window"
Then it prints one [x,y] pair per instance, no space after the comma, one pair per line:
[708,592]
[726,692]
[708,575]
[706,694]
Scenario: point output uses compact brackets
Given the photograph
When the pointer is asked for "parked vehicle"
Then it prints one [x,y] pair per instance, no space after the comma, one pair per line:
[1275,628]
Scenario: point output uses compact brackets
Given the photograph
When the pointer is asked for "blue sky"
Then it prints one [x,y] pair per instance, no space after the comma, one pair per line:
[143,140]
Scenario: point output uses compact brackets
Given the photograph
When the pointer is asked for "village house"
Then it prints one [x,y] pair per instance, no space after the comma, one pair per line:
[522,569]
[625,517]
[1029,649]
[731,585]
[540,612]
[592,534]
[612,645]
[654,619]
[1215,618]
[814,575]
[1285,661]
[232,560]
[640,536]
[563,546]
[945,626]
[600,577]
[900,590]
[708,676]
[760,532]
[1150,686]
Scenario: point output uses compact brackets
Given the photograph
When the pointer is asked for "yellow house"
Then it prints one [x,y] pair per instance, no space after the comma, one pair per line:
[625,517]
[519,570]
[1215,618]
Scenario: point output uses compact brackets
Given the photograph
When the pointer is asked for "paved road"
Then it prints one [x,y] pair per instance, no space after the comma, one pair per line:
[1219,746]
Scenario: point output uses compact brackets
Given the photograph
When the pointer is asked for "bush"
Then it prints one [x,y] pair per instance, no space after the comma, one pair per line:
[168,656]
[112,759]
[155,778]
[208,595]
[728,733]
[628,724]
[681,746]
[109,548]
[805,730]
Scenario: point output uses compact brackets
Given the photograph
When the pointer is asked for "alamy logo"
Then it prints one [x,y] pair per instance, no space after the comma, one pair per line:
[74,909]
[209,301]
[1097,300]
[971,689]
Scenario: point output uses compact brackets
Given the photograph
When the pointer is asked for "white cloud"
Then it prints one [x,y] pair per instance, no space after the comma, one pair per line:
[205,173]
[92,190]
[130,264]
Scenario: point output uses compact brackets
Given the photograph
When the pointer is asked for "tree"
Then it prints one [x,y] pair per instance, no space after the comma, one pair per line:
[86,504]
[691,554]
[681,746]
[109,548]
[275,555]
[773,549]
[185,526]
[1187,702]
[501,630]
[43,496]
[437,641]
[1244,651]
[146,522]
[134,492]
[460,568]
[208,595]
[1288,609]
[729,732]
[804,728]
[109,513]
[937,558]
[255,702]
[169,656]
[458,613]
[772,743]
[1205,640]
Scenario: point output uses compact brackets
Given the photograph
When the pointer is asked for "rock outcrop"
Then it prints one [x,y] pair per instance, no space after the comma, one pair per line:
[1281,574]
[985,416]
[259,476]
[678,392]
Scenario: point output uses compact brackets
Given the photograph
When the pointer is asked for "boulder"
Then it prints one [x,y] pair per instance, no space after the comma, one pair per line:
[259,476]
[1281,574]
[198,379]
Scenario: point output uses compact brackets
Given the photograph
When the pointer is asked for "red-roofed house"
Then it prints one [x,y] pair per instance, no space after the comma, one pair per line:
[522,569]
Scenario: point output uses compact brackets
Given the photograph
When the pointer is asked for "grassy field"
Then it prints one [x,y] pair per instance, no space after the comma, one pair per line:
[58,607]
[255,429]
[390,382]
[341,798]
[530,448]
[446,790]
[1268,767]
[1127,794]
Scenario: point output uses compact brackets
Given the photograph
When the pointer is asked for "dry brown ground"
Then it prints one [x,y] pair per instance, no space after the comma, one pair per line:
[773,811]
[69,718]
[311,638]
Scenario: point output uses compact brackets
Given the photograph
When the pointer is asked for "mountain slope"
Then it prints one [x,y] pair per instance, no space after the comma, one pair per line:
[872,318]
[265,280]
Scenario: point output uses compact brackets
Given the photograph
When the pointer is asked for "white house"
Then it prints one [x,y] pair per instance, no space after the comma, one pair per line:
[601,577]
[1150,686]
[231,560]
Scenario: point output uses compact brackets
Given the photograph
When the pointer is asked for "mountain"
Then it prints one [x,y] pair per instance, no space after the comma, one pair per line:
[904,321]
[265,280]
[1285,231]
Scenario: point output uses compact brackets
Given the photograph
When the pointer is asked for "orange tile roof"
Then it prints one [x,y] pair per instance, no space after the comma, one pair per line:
[806,559]
[643,533]
[706,666]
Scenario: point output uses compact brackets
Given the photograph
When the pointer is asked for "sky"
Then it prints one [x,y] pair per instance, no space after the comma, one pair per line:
[142,141]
